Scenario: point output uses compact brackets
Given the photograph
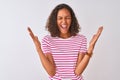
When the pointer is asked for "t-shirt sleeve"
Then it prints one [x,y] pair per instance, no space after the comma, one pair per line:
[83,48]
[46,45]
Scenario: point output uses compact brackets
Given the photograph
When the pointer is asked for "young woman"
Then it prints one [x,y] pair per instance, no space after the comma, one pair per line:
[64,53]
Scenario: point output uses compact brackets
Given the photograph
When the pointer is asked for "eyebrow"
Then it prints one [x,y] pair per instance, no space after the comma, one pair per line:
[65,16]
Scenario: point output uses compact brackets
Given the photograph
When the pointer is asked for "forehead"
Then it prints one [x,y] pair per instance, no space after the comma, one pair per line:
[64,12]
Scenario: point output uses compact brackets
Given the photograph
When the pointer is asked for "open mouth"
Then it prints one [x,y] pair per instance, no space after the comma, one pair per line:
[64,26]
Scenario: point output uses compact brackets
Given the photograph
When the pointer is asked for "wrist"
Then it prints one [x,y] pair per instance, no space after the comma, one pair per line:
[89,54]
[38,48]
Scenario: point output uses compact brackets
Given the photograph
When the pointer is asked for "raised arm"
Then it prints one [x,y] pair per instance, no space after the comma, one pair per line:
[47,60]
[85,60]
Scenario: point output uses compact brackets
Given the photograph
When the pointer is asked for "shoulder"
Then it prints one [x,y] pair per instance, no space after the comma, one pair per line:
[47,38]
[80,36]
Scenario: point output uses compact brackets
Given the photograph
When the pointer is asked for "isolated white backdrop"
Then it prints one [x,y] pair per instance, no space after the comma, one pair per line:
[18,57]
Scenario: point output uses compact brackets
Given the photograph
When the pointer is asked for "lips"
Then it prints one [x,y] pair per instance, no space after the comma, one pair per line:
[64,26]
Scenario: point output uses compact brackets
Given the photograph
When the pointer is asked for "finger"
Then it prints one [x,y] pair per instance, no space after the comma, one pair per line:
[93,40]
[99,31]
[31,33]
[96,36]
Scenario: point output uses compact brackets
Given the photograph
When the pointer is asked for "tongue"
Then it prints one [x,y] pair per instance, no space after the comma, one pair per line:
[64,26]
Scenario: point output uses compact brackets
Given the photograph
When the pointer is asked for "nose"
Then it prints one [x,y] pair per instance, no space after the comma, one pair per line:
[64,21]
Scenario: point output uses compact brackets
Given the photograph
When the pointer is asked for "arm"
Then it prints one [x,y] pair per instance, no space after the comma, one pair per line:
[47,60]
[80,57]
[82,64]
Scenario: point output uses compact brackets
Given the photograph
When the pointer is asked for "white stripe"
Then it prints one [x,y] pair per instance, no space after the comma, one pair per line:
[65,53]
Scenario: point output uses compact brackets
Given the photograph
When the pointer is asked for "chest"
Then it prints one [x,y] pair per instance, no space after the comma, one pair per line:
[69,46]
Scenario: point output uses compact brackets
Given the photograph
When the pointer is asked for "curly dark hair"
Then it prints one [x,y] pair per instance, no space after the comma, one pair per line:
[52,26]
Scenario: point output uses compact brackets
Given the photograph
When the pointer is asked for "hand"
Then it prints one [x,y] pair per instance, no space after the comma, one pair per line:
[34,38]
[94,40]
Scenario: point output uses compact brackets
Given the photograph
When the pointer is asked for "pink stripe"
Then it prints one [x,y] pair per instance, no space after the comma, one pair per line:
[65,53]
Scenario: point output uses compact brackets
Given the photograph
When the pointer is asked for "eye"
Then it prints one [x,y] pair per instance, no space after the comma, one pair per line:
[68,17]
[59,18]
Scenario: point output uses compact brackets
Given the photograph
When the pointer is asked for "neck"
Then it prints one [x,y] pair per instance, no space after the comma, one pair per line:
[65,36]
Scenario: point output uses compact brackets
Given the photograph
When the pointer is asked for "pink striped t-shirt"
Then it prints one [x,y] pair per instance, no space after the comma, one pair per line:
[65,53]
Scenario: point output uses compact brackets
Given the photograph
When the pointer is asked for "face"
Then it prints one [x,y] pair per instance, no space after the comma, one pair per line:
[64,22]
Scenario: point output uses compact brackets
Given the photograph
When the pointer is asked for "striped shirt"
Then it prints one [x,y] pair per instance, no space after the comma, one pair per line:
[65,53]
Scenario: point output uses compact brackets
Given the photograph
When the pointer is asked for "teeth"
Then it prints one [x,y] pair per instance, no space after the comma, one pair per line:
[64,26]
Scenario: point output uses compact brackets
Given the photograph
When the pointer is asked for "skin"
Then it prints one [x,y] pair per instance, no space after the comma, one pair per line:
[64,22]
[47,60]
[84,62]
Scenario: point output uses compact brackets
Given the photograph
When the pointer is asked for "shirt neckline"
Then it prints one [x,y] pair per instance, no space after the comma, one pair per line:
[65,38]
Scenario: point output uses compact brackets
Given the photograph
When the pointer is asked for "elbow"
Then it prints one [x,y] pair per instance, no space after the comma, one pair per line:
[77,73]
[52,73]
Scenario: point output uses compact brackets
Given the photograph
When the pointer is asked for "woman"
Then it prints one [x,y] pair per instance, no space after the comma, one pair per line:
[64,53]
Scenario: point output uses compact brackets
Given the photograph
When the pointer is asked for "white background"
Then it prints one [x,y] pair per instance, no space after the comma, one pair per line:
[18,57]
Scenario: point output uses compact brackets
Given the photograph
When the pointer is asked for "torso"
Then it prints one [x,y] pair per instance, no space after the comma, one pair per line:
[65,54]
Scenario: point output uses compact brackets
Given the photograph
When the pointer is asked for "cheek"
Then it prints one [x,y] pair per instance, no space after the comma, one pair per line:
[69,22]
[58,22]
